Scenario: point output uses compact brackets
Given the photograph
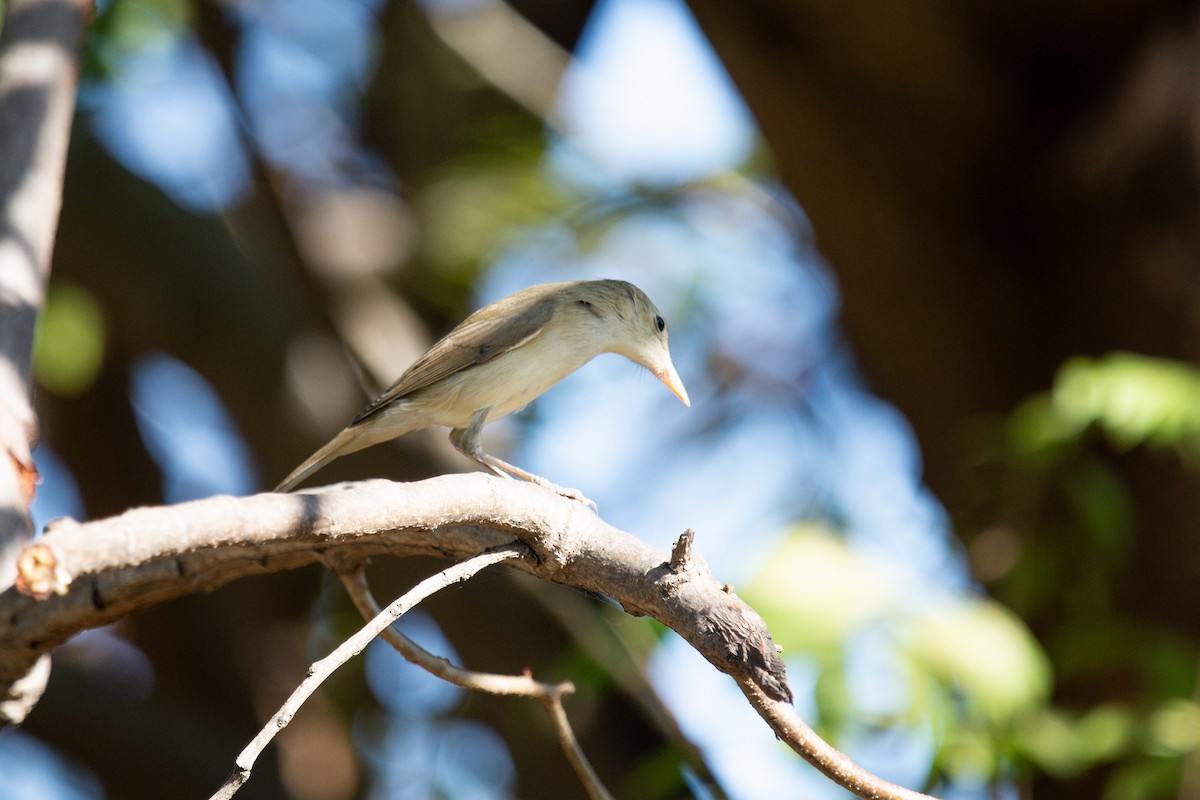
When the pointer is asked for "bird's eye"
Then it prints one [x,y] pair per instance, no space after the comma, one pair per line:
[660,323]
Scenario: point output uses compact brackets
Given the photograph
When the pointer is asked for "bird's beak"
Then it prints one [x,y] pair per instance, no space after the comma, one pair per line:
[667,374]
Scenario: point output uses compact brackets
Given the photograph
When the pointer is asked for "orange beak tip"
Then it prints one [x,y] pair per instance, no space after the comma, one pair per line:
[671,379]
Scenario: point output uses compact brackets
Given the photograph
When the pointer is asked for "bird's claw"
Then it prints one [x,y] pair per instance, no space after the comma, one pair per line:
[575,494]
[570,494]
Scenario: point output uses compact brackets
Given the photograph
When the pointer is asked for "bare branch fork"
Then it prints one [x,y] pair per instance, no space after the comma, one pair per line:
[322,669]
[549,695]
[90,574]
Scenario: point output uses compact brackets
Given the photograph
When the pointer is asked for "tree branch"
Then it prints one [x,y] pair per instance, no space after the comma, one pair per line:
[144,556]
[347,650]
[93,573]
[548,694]
[793,731]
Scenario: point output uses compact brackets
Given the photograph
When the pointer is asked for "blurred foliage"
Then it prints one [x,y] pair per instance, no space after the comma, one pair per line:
[491,200]
[124,26]
[964,666]
[1056,532]
[816,591]
[1132,399]
[472,209]
[68,344]
[970,668]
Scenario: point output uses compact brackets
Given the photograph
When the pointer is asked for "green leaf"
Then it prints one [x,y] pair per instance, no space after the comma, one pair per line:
[986,653]
[1174,728]
[1134,399]
[68,342]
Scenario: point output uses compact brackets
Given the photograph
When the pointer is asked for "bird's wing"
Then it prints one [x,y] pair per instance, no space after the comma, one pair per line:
[508,324]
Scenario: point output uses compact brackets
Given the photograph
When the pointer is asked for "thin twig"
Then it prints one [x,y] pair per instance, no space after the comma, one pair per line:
[322,669]
[793,731]
[550,695]
[620,650]
[574,753]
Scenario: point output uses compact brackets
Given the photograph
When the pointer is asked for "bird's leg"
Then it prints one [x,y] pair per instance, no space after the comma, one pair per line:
[467,441]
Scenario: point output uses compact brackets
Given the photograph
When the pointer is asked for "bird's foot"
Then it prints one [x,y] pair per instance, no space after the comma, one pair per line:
[506,470]
[578,496]
[570,494]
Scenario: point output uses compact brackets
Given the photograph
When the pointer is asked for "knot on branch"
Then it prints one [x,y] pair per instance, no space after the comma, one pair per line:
[39,573]
[725,624]
[683,566]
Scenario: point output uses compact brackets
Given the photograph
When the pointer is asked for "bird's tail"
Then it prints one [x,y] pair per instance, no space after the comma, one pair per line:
[348,441]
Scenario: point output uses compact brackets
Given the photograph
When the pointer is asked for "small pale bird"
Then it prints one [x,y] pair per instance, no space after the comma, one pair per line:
[502,357]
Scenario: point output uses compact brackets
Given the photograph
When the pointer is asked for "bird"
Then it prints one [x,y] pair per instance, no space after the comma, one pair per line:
[499,359]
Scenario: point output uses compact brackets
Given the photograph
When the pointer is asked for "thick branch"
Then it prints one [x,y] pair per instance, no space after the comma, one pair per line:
[148,555]
[103,570]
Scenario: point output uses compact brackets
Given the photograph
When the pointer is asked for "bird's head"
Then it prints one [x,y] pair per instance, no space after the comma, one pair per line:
[634,327]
